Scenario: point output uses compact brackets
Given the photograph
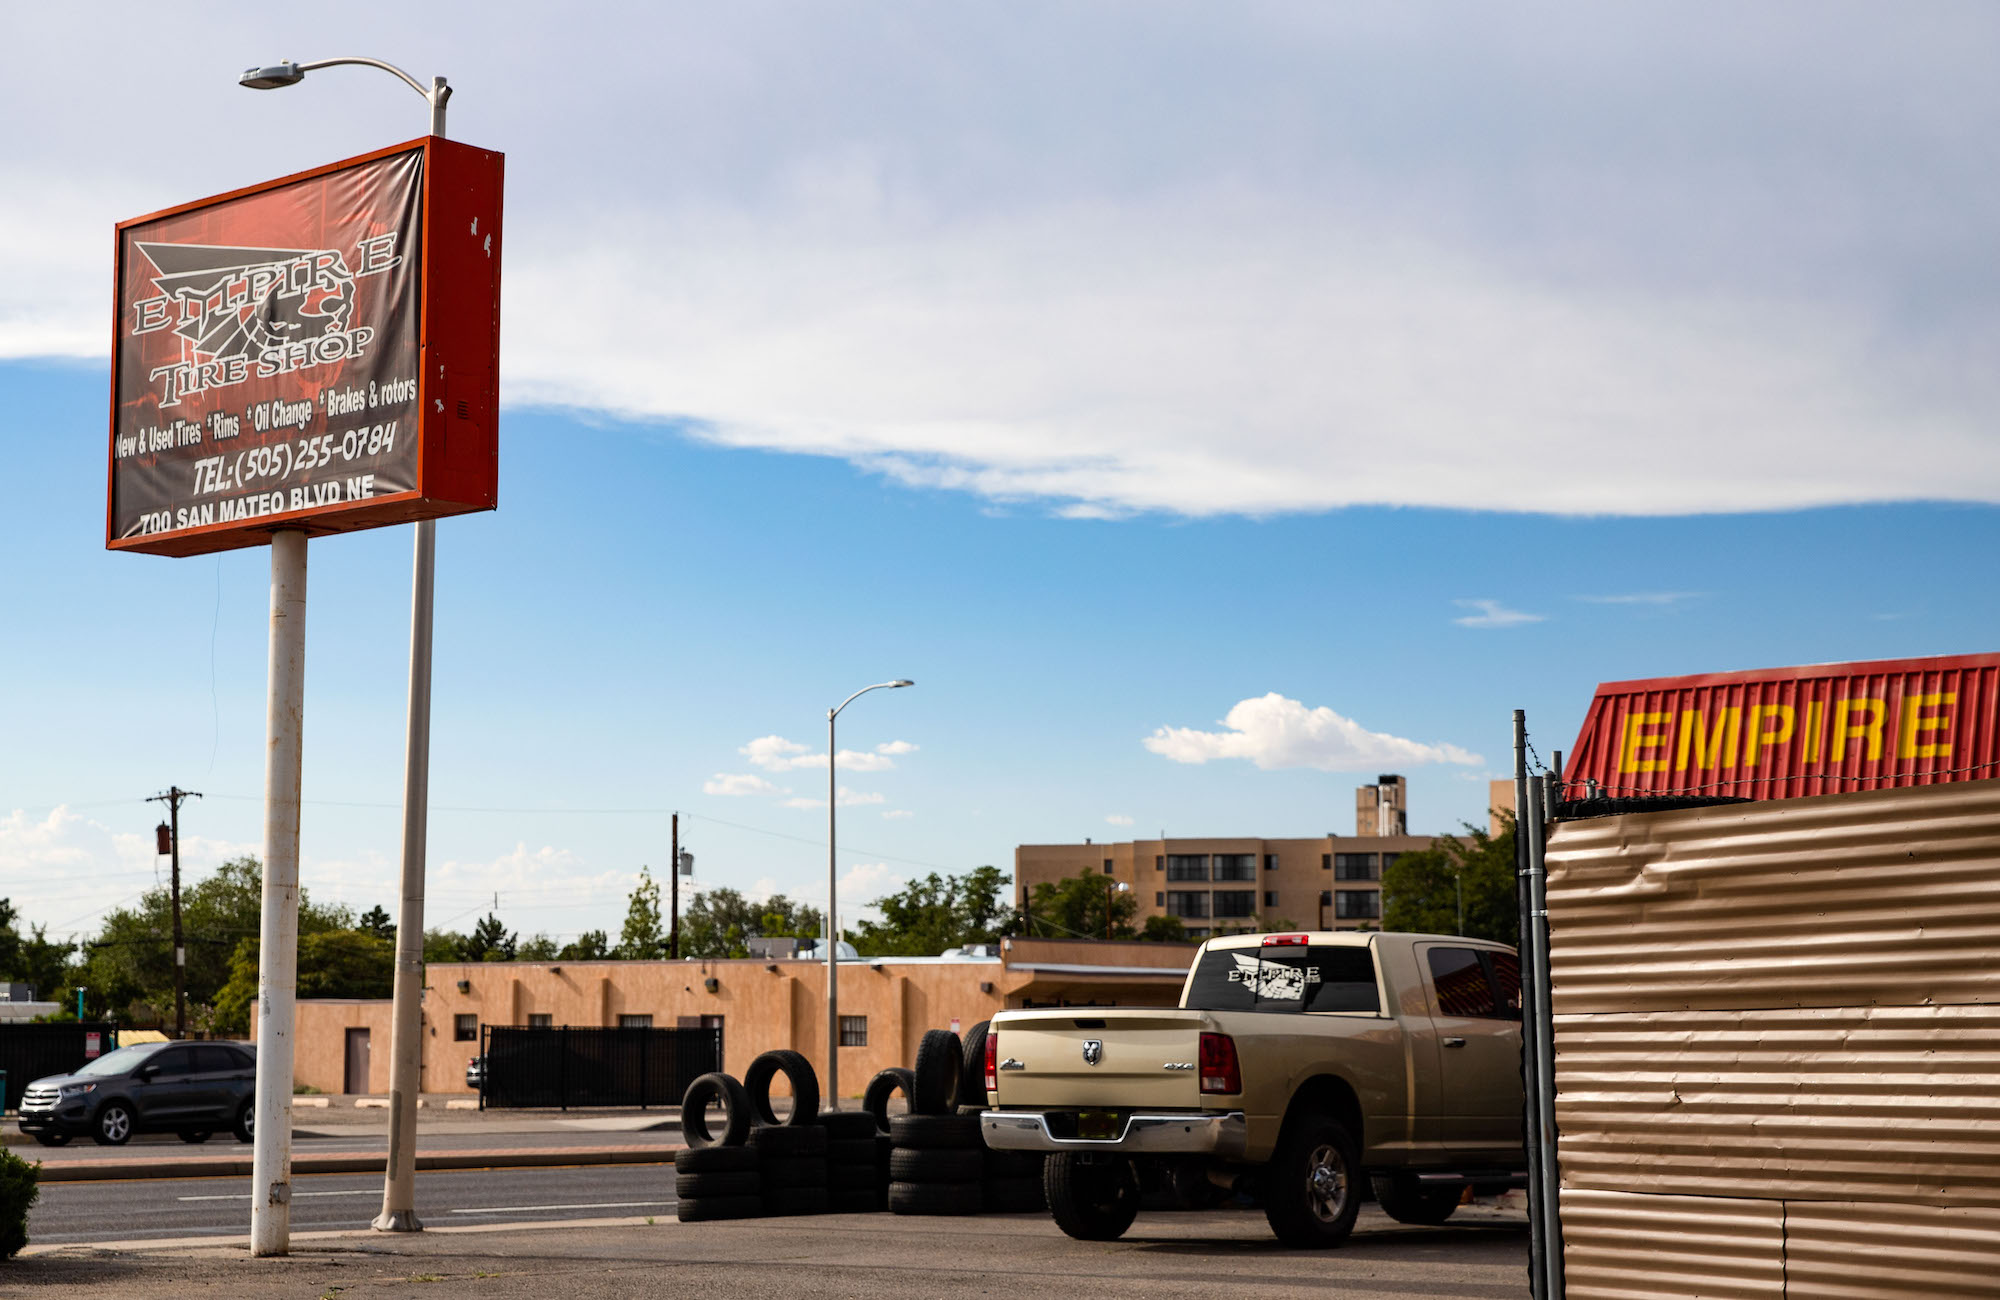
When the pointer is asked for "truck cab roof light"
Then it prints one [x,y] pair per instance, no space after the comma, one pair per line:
[1284,940]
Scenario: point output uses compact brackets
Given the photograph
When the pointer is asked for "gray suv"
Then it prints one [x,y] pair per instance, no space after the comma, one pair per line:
[193,1089]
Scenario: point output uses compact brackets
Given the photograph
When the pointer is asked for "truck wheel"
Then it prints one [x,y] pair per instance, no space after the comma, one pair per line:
[1408,1202]
[1092,1197]
[1312,1185]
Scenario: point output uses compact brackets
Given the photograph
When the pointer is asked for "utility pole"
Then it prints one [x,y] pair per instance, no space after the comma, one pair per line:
[674,894]
[171,835]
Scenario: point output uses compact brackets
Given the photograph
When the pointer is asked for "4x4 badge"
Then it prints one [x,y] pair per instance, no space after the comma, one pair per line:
[1093,1050]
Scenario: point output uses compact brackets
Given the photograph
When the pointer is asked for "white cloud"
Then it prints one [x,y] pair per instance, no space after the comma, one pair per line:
[1659,598]
[64,870]
[896,747]
[738,784]
[1275,732]
[1492,614]
[763,890]
[776,754]
[1117,819]
[848,799]
[868,881]
[897,814]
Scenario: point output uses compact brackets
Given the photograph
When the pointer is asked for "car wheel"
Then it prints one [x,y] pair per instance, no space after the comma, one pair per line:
[246,1121]
[1406,1202]
[195,1137]
[52,1139]
[1312,1188]
[114,1125]
[1091,1197]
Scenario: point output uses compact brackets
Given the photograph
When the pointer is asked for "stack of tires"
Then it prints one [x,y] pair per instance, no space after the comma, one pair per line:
[854,1163]
[792,1152]
[717,1177]
[1013,1178]
[937,1160]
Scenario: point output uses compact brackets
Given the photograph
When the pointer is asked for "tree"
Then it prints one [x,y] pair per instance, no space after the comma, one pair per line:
[489,941]
[591,945]
[332,964]
[539,948]
[1164,929]
[938,912]
[35,959]
[719,922]
[644,937]
[1420,890]
[1075,908]
[375,921]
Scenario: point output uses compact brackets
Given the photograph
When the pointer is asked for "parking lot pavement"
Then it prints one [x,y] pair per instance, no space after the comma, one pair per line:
[880,1256]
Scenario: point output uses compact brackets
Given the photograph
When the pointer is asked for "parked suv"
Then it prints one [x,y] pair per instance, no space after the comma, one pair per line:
[193,1089]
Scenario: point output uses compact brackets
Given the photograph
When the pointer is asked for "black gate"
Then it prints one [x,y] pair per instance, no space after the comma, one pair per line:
[567,1067]
[31,1052]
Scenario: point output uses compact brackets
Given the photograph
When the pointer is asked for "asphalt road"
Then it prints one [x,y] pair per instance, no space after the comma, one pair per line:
[468,1137]
[149,1208]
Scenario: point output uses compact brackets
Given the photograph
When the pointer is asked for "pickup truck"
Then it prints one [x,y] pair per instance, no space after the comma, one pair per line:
[1295,1066]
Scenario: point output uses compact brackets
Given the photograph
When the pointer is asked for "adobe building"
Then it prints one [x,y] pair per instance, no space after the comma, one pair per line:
[886,1004]
[1227,884]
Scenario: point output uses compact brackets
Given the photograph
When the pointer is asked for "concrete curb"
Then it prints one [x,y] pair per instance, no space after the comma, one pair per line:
[86,1171]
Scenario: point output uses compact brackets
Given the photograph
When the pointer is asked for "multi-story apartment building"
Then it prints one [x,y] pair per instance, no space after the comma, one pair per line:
[1244,883]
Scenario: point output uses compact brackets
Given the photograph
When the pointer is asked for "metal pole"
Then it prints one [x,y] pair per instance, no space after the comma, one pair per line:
[180,944]
[406,1044]
[674,893]
[1524,824]
[1543,1038]
[278,955]
[832,1094]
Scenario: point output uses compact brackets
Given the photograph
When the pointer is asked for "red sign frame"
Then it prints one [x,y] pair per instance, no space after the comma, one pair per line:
[453,367]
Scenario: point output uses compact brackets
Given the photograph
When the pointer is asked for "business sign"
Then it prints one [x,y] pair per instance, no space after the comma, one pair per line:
[1786,732]
[320,352]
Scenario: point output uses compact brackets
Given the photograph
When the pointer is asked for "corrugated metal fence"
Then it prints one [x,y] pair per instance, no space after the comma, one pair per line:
[1777,1033]
[588,1066]
[30,1052]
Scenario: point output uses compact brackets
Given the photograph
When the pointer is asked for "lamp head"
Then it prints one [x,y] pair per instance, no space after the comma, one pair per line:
[902,681]
[272,77]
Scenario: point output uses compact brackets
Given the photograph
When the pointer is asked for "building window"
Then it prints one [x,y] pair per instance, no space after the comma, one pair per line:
[1159,863]
[1326,862]
[635,1022]
[1188,903]
[1187,866]
[1159,899]
[1235,903]
[854,1031]
[1196,932]
[1107,866]
[1389,860]
[1235,866]
[1270,898]
[538,1020]
[1357,904]
[1326,898]
[465,1028]
[1354,866]
[1270,862]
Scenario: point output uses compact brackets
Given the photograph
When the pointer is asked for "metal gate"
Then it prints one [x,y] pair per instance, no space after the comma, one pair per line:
[31,1052]
[586,1066]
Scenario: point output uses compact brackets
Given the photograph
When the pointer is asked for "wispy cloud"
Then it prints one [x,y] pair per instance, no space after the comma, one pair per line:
[1492,614]
[1274,732]
[848,799]
[897,815]
[1660,599]
[777,754]
[737,784]
[1118,819]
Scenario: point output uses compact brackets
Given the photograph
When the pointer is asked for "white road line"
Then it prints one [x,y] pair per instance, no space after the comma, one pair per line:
[593,1205]
[244,1196]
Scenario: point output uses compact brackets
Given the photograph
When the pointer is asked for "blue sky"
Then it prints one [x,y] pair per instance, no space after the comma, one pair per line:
[1105,370]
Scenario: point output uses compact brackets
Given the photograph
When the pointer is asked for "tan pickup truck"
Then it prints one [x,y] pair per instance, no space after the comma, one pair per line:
[1295,1066]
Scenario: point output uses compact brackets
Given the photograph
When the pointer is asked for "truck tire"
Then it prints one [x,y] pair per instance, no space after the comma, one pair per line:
[940,1060]
[795,1200]
[719,1207]
[1407,1201]
[735,1111]
[1092,1197]
[848,1125]
[792,1171]
[884,1086]
[918,1166]
[798,1072]
[936,1132]
[972,1076]
[695,1187]
[1312,1186]
[849,1151]
[777,1141]
[854,1200]
[715,1160]
[935,1198]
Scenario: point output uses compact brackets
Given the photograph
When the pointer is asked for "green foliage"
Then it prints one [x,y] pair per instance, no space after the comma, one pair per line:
[591,945]
[1420,891]
[719,921]
[1164,929]
[346,964]
[444,945]
[34,959]
[644,937]
[539,948]
[19,1188]
[489,941]
[1075,908]
[375,921]
[936,913]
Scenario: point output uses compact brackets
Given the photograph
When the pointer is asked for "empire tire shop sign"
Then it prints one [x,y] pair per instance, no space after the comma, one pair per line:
[313,355]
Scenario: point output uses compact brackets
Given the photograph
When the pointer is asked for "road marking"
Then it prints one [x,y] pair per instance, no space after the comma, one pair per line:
[244,1196]
[594,1205]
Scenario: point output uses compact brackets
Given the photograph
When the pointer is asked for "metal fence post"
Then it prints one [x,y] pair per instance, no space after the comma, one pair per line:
[562,1070]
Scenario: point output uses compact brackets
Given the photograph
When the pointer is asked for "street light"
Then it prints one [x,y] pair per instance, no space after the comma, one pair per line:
[832,883]
[1111,890]
[270,1224]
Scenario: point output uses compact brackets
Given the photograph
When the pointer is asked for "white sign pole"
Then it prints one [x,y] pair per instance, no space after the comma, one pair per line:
[278,954]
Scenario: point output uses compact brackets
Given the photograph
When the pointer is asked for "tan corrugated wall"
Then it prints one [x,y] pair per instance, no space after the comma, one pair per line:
[1781,1014]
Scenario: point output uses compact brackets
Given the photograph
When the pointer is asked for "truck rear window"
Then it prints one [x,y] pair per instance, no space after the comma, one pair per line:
[1284,979]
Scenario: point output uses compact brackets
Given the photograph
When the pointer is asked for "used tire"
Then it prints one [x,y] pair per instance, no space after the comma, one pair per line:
[113,1127]
[1014,1164]
[972,1074]
[1016,1196]
[845,1178]
[1407,1201]
[772,1142]
[798,1072]
[246,1120]
[847,1125]
[793,1171]
[795,1200]
[195,1137]
[935,1198]
[1312,1186]
[940,1059]
[735,1183]
[944,1166]
[52,1139]
[1091,1197]
[715,1160]
[848,1151]
[883,1086]
[719,1207]
[735,1111]
[854,1201]
[936,1132]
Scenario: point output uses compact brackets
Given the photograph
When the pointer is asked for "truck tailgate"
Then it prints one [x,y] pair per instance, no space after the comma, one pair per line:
[1143,1058]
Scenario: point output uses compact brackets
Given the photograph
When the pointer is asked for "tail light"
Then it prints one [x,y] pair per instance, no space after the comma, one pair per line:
[992,1062]
[1285,940]
[1219,1070]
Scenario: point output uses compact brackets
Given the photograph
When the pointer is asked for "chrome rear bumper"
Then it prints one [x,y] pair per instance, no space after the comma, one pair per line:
[1224,1135]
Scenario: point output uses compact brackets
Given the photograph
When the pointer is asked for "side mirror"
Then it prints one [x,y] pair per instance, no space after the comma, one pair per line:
[145,1073]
